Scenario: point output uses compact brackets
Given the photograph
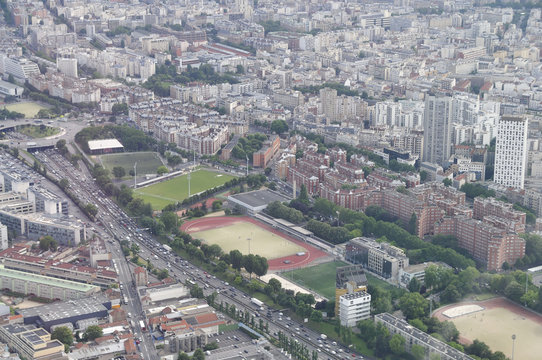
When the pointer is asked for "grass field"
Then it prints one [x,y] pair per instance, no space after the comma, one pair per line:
[38,131]
[176,189]
[496,326]
[319,278]
[262,242]
[29,109]
[147,162]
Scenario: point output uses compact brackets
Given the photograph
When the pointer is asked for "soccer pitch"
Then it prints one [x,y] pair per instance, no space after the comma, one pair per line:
[176,189]
[262,242]
[319,278]
[29,109]
[147,162]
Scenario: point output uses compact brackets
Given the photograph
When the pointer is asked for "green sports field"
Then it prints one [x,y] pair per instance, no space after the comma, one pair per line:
[147,162]
[262,242]
[319,278]
[176,189]
[29,109]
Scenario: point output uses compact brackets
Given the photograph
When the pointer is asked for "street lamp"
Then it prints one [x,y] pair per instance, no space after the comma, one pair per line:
[135,174]
[513,344]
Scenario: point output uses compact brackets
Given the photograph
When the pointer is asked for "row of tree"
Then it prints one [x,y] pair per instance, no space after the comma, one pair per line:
[278,210]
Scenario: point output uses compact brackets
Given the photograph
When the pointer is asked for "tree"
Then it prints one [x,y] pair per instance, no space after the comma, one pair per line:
[413,305]
[198,355]
[279,126]
[119,172]
[303,195]
[63,334]
[239,69]
[397,344]
[447,182]
[161,170]
[64,183]
[183,356]
[417,351]
[423,176]
[48,243]
[413,224]
[414,285]
[60,144]
[91,209]
[93,332]
[163,274]
[236,259]
[217,204]
[170,220]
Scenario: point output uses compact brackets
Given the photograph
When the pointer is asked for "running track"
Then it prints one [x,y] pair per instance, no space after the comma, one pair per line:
[311,253]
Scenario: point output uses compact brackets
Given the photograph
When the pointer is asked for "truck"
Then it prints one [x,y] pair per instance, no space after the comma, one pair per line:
[166,247]
[257,302]
[323,336]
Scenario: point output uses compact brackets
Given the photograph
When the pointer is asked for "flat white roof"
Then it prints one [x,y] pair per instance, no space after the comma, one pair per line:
[104,144]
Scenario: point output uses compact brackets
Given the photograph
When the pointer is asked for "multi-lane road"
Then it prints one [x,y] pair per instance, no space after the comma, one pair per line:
[112,223]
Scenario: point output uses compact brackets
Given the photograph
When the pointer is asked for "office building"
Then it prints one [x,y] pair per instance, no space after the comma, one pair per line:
[437,120]
[20,68]
[31,342]
[413,336]
[354,307]
[382,259]
[511,151]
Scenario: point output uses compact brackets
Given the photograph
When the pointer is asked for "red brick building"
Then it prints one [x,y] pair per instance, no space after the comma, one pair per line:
[486,243]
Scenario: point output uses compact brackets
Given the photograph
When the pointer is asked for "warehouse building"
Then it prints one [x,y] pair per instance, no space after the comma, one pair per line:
[44,286]
[72,311]
[255,201]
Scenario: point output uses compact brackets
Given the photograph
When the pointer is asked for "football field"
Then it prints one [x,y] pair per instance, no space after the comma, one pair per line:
[319,278]
[29,109]
[176,189]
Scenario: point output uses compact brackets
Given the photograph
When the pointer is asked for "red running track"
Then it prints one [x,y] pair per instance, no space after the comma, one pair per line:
[311,252]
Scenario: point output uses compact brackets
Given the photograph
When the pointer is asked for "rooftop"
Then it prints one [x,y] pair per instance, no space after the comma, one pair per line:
[259,198]
[104,144]
[64,309]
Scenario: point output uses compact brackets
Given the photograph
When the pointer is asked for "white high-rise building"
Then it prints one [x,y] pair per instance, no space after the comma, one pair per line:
[67,66]
[437,126]
[3,237]
[354,307]
[511,151]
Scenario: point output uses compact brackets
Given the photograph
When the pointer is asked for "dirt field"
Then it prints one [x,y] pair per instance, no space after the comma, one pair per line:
[496,324]
[265,241]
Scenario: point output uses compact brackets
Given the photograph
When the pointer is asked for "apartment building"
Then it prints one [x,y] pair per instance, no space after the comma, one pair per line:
[414,336]
[488,244]
[3,237]
[44,286]
[31,342]
[354,307]
[485,207]
[511,151]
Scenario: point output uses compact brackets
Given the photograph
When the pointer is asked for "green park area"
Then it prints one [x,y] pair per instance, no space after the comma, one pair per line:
[29,109]
[147,161]
[38,131]
[176,189]
[319,278]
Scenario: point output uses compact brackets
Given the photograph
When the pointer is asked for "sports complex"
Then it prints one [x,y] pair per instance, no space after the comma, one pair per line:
[252,236]
[494,321]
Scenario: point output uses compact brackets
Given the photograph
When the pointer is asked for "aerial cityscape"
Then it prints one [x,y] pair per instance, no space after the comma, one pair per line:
[255,179]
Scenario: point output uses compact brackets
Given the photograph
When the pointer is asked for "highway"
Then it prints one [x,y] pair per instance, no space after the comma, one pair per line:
[112,223]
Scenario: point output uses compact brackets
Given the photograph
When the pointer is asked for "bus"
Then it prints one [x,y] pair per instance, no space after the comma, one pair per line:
[142,325]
